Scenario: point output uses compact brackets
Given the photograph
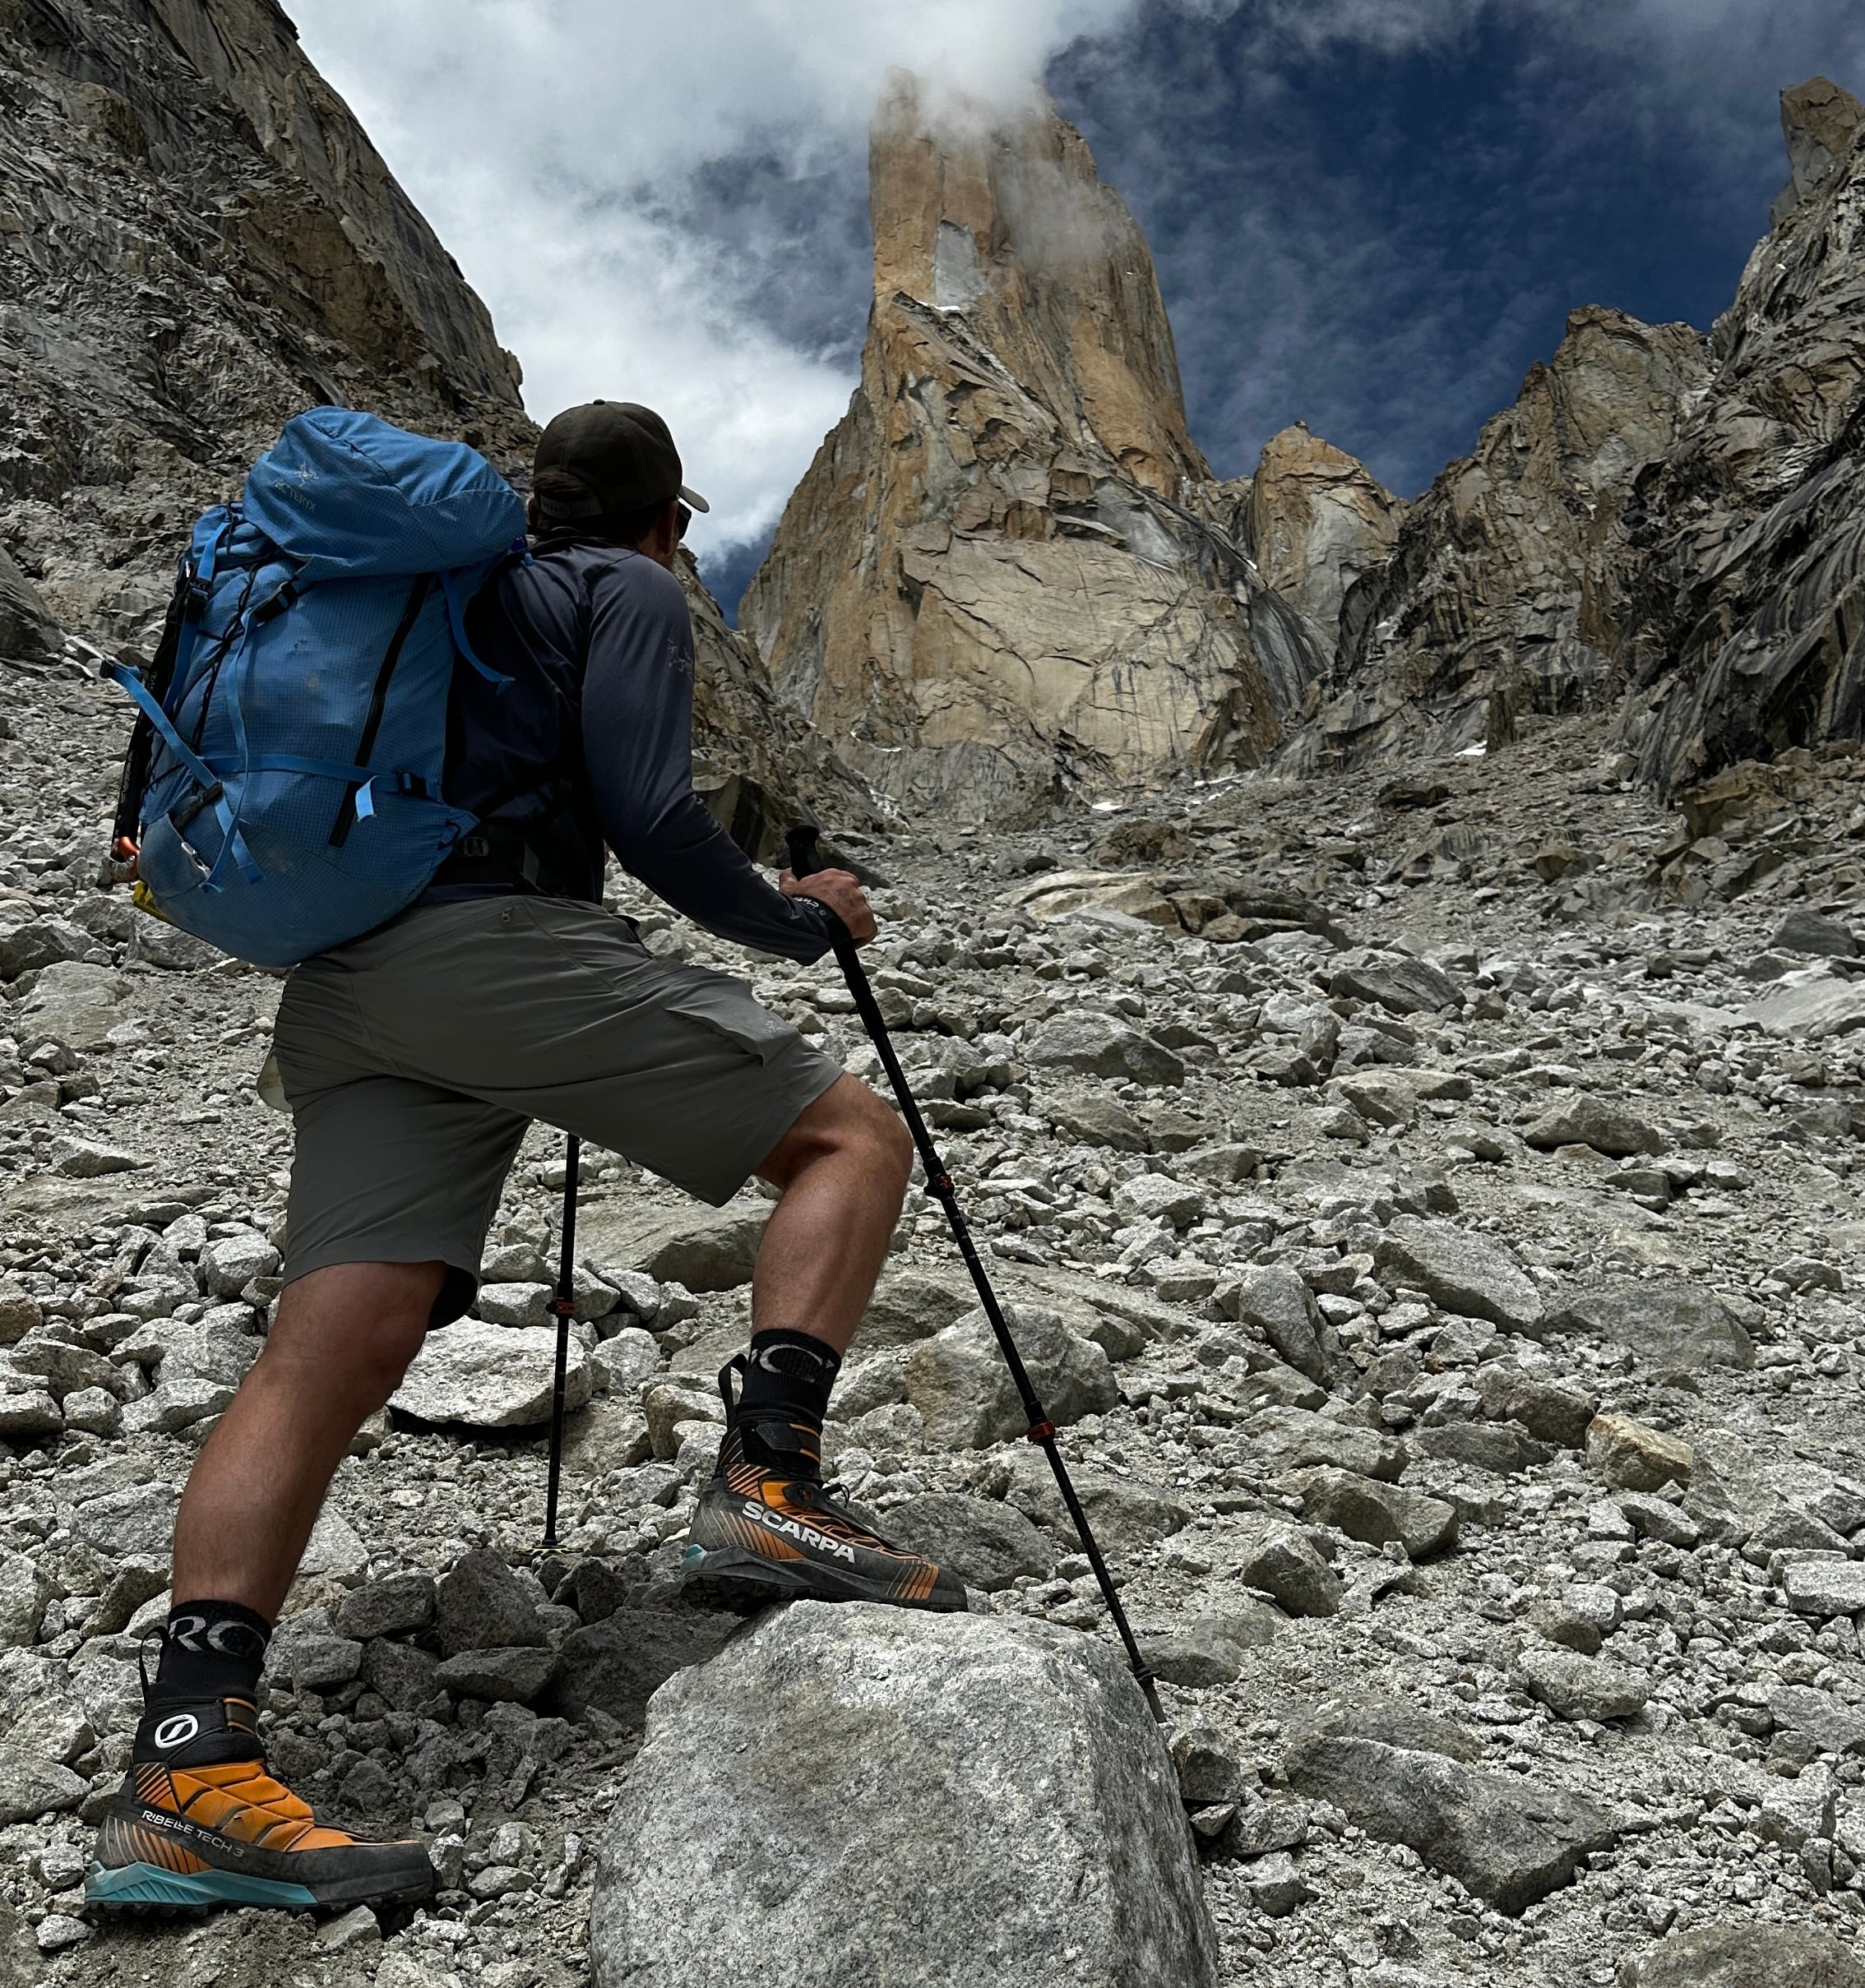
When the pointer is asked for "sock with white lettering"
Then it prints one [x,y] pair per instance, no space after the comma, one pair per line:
[210,1649]
[784,1396]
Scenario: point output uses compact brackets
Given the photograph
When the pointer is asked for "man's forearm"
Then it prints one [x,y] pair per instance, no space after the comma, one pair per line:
[688,860]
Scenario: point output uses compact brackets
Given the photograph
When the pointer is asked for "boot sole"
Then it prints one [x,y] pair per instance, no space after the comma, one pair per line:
[742,1582]
[143,1887]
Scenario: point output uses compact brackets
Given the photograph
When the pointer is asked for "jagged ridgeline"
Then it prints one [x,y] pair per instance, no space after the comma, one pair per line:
[197,240]
[1663,521]
[1008,577]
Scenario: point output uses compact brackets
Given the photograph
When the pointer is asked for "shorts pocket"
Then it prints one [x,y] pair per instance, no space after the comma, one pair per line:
[728,1008]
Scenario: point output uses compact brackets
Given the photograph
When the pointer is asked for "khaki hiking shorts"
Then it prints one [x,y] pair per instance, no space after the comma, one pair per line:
[415,1058]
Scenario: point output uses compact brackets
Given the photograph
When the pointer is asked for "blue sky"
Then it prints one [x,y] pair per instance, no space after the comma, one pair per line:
[1372,216]
[1380,240]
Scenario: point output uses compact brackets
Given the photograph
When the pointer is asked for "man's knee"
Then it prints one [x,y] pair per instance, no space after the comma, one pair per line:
[352,1330]
[895,1141]
[377,1367]
[848,1117]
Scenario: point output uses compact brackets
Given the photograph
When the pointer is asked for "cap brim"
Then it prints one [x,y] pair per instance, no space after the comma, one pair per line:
[692,499]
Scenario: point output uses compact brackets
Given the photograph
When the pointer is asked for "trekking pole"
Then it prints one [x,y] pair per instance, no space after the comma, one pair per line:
[564,1305]
[804,861]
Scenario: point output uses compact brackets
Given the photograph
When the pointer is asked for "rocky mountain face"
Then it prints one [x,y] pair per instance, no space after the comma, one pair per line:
[1744,634]
[1009,579]
[1315,519]
[197,240]
[1506,587]
[1662,524]
[996,585]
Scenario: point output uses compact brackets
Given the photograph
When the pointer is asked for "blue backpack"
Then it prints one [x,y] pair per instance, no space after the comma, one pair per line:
[282,791]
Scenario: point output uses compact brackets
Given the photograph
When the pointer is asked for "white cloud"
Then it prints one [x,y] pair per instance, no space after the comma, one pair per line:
[595,169]
[552,143]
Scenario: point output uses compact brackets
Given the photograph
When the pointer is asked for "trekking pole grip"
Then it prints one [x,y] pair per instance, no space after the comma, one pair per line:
[805,860]
[806,857]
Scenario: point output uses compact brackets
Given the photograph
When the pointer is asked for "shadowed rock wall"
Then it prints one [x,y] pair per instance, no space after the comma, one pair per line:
[1745,634]
[1506,590]
[197,241]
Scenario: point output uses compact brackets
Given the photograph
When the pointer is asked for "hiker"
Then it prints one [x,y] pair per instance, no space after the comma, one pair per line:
[414,1057]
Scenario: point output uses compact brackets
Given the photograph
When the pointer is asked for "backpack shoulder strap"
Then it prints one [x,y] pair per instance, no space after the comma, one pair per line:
[456,618]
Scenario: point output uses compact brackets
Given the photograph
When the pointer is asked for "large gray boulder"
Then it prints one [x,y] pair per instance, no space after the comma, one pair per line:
[1608,1127]
[25,1590]
[979,1800]
[1746,1955]
[1098,1046]
[1276,1299]
[78,1003]
[986,1544]
[26,947]
[32,1785]
[705,1249]
[1399,984]
[617,1664]
[1123,1512]
[1278,1440]
[490,1376]
[1364,1509]
[1465,1272]
[959,1381]
[1512,1841]
[137,1521]
[1666,1321]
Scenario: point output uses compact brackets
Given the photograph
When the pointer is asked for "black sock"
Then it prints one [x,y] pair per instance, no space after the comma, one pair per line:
[210,1649]
[785,1395]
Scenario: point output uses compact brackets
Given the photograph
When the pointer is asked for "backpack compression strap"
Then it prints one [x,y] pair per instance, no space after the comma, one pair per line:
[213,794]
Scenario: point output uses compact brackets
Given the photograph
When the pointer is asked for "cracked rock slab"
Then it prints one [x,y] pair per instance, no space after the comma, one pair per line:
[490,1376]
[1666,1321]
[1745,1956]
[1464,1273]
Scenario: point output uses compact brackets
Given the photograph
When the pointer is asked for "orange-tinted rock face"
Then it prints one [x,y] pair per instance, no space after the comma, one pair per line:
[1013,228]
[1315,519]
[990,588]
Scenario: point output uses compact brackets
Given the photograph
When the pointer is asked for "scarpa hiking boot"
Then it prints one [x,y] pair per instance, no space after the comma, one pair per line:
[759,1537]
[763,1534]
[198,1822]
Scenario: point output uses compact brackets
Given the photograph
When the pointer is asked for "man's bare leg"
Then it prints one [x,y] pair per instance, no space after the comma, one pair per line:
[199,1820]
[843,1169]
[766,1529]
[341,1342]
